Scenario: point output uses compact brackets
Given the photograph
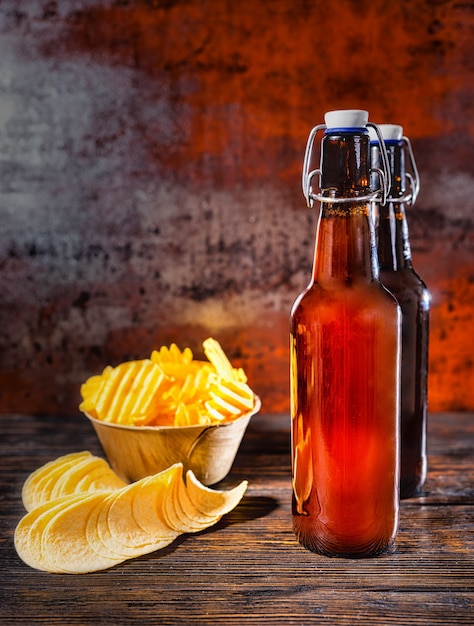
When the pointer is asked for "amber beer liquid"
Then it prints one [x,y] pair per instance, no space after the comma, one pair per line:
[398,275]
[345,366]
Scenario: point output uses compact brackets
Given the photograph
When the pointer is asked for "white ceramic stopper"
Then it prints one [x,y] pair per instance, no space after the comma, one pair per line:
[389,132]
[346,118]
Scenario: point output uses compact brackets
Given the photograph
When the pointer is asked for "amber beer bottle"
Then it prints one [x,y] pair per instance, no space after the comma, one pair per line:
[345,362]
[398,275]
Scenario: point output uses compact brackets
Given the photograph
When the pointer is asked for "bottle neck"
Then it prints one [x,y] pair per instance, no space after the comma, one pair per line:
[393,244]
[345,244]
[345,164]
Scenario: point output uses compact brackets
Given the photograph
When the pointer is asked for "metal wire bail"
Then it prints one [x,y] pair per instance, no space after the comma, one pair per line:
[413,176]
[384,173]
[308,176]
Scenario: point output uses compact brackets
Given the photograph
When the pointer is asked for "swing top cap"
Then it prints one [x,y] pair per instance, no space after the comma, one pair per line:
[346,118]
[390,132]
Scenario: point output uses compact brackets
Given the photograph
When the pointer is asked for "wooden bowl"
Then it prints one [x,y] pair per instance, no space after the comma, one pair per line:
[138,451]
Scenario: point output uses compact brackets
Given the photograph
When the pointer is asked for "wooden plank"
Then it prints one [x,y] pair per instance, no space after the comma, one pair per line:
[249,567]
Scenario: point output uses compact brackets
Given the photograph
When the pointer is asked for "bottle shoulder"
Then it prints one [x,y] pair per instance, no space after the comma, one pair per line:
[404,278]
[359,295]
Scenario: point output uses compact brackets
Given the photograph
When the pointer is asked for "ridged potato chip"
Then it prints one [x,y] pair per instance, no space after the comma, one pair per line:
[218,358]
[170,388]
[172,355]
[130,391]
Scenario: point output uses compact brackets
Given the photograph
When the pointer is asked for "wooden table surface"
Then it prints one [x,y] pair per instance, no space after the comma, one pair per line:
[249,568]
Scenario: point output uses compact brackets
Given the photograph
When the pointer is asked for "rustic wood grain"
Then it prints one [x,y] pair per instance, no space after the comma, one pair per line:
[249,568]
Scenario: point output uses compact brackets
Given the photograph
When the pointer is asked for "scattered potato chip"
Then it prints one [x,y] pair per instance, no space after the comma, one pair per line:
[100,478]
[40,481]
[147,508]
[64,544]
[29,531]
[72,473]
[95,530]
[211,501]
[170,388]
[119,533]
[192,518]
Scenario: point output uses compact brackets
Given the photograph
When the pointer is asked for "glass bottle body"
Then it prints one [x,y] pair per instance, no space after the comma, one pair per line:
[399,277]
[345,342]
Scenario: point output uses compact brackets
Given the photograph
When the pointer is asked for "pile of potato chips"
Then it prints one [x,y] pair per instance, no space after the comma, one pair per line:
[170,388]
[82,518]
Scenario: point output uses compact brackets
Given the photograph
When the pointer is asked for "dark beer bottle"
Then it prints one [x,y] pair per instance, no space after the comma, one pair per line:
[398,275]
[345,362]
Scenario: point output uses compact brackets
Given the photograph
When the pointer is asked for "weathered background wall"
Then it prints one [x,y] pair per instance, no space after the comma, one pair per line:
[150,158]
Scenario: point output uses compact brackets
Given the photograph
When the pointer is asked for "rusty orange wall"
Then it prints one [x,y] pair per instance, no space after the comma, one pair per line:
[150,177]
